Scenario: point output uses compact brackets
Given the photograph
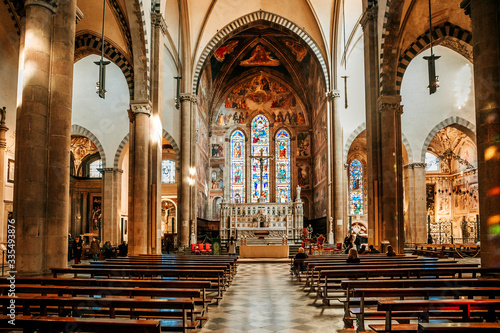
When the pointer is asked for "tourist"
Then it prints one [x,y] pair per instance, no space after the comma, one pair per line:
[107,250]
[231,246]
[70,247]
[123,249]
[372,249]
[362,250]
[390,251]
[348,244]
[95,249]
[298,263]
[429,239]
[353,258]
[77,249]
[309,231]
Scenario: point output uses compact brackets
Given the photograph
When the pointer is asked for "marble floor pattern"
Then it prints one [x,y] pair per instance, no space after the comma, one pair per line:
[264,298]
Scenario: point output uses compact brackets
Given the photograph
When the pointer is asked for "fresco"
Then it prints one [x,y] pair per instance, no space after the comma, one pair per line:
[303,144]
[320,165]
[227,48]
[260,57]
[217,150]
[304,174]
[320,199]
[217,176]
[297,49]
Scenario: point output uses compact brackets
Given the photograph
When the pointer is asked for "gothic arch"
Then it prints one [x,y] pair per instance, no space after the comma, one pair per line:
[465,126]
[80,130]
[242,23]
[177,151]
[119,150]
[351,138]
[407,146]
[440,33]
[86,42]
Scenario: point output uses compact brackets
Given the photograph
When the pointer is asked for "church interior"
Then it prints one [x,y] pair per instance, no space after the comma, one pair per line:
[204,135]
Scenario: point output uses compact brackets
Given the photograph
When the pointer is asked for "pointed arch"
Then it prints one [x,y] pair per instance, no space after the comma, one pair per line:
[119,150]
[352,137]
[80,130]
[241,24]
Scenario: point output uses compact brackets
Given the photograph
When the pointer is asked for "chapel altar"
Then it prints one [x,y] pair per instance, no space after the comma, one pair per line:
[268,221]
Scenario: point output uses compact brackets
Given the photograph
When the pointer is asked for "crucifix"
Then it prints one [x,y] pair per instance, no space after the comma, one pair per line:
[261,159]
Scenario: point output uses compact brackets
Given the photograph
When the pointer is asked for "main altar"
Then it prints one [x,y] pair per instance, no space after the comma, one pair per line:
[262,221]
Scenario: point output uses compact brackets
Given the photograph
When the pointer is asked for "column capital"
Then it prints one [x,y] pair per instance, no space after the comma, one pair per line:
[390,103]
[49,4]
[370,14]
[143,107]
[157,20]
[332,94]
[110,170]
[415,165]
[188,97]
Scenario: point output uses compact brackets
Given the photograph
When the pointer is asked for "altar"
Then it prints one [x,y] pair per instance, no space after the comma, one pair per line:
[264,251]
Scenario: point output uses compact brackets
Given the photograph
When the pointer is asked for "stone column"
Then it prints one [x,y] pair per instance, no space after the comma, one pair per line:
[336,166]
[416,218]
[485,16]
[3,145]
[111,187]
[391,224]
[138,202]
[369,24]
[158,28]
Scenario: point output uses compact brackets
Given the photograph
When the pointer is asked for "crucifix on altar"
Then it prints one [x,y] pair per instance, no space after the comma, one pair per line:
[261,159]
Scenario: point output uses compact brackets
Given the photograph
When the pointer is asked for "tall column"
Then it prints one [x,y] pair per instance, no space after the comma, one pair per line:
[3,145]
[41,191]
[111,187]
[138,201]
[158,28]
[392,228]
[416,218]
[336,166]
[185,204]
[369,24]
[485,16]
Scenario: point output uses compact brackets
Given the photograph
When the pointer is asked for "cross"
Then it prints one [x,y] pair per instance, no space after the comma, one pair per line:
[261,159]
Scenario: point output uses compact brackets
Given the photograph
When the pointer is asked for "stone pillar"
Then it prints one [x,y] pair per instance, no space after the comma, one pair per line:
[138,201]
[3,145]
[41,191]
[158,28]
[485,16]
[416,217]
[369,24]
[336,166]
[111,188]
[391,223]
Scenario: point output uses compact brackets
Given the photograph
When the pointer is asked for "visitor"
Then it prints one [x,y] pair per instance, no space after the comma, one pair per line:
[95,249]
[123,249]
[299,262]
[372,249]
[362,250]
[357,241]
[231,246]
[309,231]
[390,251]
[107,250]
[429,239]
[77,249]
[70,247]
[353,258]
[348,244]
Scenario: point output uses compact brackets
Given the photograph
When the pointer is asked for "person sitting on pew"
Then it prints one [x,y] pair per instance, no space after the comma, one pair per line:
[123,249]
[108,250]
[372,249]
[299,264]
[390,251]
[362,250]
[353,258]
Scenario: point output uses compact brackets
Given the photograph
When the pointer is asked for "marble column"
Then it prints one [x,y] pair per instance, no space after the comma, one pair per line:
[111,204]
[485,16]
[391,223]
[3,145]
[139,232]
[373,144]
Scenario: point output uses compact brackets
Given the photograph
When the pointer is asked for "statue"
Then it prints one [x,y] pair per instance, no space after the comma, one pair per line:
[3,113]
[298,194]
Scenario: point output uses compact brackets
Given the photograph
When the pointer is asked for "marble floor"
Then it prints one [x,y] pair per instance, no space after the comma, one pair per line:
[264,298]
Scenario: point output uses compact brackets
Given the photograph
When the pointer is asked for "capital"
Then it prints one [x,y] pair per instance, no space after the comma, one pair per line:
[370,14]
[188,97]
[332,94]
[157,20]
[143,107]
[110,170]
[390,103]
[49,4]
[415,165]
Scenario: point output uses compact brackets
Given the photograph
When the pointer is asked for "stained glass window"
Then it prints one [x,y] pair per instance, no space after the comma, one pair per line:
[260,146]
[94,169]
[282,166]
[356,187]
[431,162]
[167,171]
[238,167]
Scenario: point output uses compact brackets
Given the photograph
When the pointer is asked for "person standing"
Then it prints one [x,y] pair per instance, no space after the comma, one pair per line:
[309,231]
[231,246]
[70,247]
[348,243]
[77,249]
[95,249]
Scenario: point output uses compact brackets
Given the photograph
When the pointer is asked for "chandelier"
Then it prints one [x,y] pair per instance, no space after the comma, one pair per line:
[449,155]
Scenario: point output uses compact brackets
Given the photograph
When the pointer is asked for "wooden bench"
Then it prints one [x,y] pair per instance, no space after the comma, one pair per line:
[465,307]
[114,306]
[458,327]
[72,324]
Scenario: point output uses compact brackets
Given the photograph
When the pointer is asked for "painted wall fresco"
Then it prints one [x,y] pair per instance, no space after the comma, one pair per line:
[203,150]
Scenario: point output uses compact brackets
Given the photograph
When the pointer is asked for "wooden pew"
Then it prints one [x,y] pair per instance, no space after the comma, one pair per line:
[458,327]
[465,307]
[73,324]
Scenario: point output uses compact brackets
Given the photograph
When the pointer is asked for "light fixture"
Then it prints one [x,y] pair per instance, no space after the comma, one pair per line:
[101,85]
[449,155]
[431,61]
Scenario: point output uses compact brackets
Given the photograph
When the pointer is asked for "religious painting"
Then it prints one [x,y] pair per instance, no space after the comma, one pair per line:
[202,133]
[320,202]
[283,183]
[473,198]
[202,205]
[217,178]
[237,167]
[459,199]
[260,57]
[95,215]
[298,50]
[202,168]
[227,48]
[320,132]
[356,187]
[10,170]
[304,174]
[202,94]
[217,151]
[444,199]
[430,198]
[303,144]
[320,165]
